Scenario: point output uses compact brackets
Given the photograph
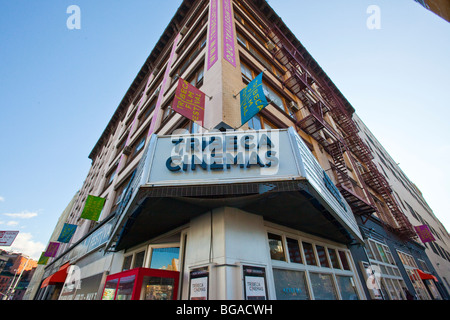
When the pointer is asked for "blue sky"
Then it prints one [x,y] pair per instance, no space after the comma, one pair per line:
[60,87]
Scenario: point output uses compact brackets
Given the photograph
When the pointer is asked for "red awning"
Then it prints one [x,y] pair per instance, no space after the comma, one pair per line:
[58,277]
[426,276]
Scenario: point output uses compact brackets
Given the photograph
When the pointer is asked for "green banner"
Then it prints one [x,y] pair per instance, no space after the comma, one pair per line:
[92,208]
[43,259]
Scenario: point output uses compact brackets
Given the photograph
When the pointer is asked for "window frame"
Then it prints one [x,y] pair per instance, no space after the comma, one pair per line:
[295,266]
[151,247]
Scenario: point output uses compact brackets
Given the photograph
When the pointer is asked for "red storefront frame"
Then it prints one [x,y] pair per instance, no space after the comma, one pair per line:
[139,274]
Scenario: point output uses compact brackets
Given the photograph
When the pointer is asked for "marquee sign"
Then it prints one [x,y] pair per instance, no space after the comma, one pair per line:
[218,157]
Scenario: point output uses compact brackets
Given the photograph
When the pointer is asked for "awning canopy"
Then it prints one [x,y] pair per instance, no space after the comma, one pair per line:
[58,277]
[426,276]
[290,203]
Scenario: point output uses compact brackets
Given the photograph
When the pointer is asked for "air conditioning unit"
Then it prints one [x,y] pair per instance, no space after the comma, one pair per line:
[270,45]
[294,106]
[184,30]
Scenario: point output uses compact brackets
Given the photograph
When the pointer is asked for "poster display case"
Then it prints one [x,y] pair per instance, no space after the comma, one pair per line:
[142,284]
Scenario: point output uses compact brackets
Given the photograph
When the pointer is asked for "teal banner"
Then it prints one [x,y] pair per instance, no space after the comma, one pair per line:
[67,233]
[253,99]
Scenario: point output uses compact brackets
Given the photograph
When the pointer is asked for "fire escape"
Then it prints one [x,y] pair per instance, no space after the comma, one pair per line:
[338,144]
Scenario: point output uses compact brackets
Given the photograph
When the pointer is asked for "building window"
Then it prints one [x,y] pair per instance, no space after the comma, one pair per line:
[310,257]
[411,269]
[139,259]
[255,52]
[276,247]
[195,50]
[190,126]
[165,258]
[344,260]
[381,259]
[272,95]
[290,285]
[255,123]
[109,178]
[145,114]
[295,255]
[196,78]
[347,288]
[134,260]
[247,73]
[139,146]
[312,271]
[167,110]
[127,263]
[323,287]
[249,28]
[333,258]
[322,256]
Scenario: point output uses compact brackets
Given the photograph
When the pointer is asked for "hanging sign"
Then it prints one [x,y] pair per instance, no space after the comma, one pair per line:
[229,51]
[67,233]
[424,233]
[212,38]
[52,249]
[189,102]
[43,259]
[253,99]
[92,208]
[7,237]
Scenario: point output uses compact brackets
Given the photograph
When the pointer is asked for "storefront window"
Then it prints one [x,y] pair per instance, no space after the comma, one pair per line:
[276,247]
[333,258]
[322,256]
[125,290]
[347,288]
[309,254]
[290,285]
[344,260]
[294,251]
[165,258]
[322,286]
[382,253]
[139,260]
[157,288]
[390,288]
[127,263]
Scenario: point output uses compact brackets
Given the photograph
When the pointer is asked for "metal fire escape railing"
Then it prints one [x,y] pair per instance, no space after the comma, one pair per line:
[300,83]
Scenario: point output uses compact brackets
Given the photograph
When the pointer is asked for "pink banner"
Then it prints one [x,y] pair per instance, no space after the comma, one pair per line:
[212,39]
[189,102]
[163,86]
[229,51]
[424,233]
